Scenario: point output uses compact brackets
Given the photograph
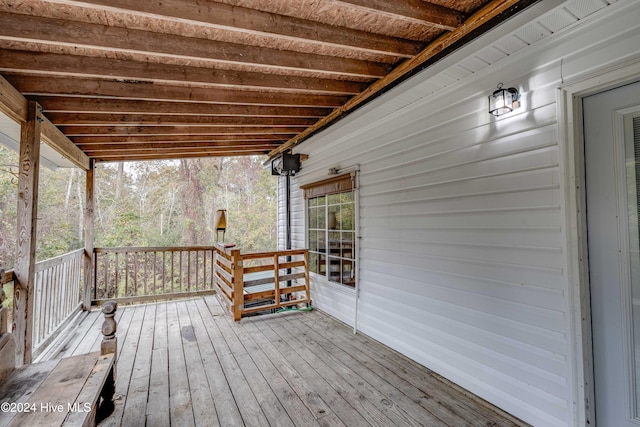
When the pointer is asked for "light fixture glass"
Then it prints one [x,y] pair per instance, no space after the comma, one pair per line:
[503,101]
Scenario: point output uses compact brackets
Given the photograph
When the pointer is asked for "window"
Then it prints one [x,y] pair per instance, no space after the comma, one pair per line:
[331,229]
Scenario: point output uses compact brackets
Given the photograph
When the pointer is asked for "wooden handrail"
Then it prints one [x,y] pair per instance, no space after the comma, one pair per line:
[57,296]
[142,274]
[245,288]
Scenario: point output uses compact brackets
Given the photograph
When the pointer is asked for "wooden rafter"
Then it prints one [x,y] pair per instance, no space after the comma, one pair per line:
[178,78]
[14,105]
[486,14]
[415,10]
[264,24]
[102,37]
[70,66]
[109,119]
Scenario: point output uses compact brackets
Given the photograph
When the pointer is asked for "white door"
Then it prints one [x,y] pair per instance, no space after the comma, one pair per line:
[612,165]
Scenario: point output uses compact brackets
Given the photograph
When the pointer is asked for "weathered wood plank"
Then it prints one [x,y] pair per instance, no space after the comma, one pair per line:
[126,360]
[226,405]
[247,403]
[341,406]
[269,25]
[364,399]
[180,407]
[427,389]
[304,389]
[59,142]
[270,404]
[89,282]
[14,389]
[387,385]
[60,388]
[203,412]
[290,400]
[136,403]
[158,413]
[24,271]
[91,390]
[297,368]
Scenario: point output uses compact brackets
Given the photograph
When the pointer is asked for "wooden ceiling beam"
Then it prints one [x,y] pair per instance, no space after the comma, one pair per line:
[231,139]
[473,23]
[56,65]
[97,88]
[129,157]
[96,119]
[261,24]
[61,104]
[417,11]
[142,148]
[14,105]
[101,37]
[176,130]
[166,145]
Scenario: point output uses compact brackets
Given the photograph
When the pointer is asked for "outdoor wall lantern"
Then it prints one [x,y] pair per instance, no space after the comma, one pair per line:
[220,222]
[503,101]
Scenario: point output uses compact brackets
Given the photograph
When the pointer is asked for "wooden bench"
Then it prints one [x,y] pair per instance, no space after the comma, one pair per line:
[73,391]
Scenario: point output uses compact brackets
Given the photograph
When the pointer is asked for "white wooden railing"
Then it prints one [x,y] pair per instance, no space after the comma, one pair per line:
[57,296]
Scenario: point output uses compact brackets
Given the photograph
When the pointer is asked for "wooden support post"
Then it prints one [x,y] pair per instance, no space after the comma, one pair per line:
[109,343]
[306,276]
[89,276]
[276,277]
[109,346]
[238,284]
[29,165]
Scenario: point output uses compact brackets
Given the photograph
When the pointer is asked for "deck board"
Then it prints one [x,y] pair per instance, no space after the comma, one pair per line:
[186,363]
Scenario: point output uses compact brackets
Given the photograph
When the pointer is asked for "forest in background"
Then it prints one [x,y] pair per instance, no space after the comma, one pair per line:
[150,203]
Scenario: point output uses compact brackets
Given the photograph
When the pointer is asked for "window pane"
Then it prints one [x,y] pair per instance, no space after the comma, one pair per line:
[334,269]
[348,273]
[313,202]
[333,199]
[322,265]
[313,217]
[313,240]
[334,243]
[347,217]
[346,197]
[348,240]
[333,218]
[322,243]
[322,215]
[313,262]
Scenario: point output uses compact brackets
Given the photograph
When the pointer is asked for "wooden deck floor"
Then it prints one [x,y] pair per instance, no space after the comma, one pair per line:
[185,363]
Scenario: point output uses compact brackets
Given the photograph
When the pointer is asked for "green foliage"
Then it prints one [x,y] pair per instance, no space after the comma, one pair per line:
[154,203]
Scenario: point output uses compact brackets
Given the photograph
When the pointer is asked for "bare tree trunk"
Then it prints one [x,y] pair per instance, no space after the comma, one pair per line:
[72,173]
[192,200]
[119,181]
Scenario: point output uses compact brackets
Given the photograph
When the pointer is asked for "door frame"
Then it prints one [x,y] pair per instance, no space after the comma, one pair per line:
[571,149]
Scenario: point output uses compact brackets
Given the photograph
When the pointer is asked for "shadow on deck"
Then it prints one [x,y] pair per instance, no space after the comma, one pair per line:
[187,363]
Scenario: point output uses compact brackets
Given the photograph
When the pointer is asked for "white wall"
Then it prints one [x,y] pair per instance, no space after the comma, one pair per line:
[463,262]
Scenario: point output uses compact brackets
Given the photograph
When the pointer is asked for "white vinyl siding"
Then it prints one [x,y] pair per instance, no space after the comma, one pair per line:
[462,254]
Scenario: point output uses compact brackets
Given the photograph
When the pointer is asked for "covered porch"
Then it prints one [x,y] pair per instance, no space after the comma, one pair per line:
[185,362]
